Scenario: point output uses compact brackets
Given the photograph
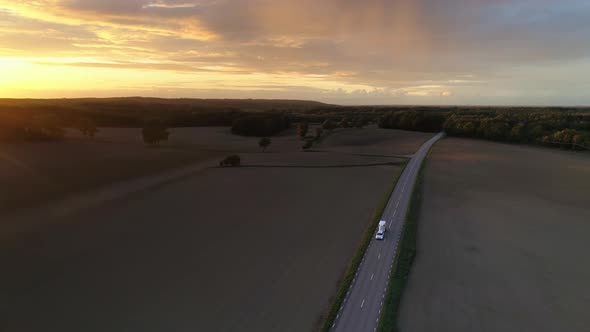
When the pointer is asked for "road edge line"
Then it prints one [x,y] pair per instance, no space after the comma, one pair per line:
[346,282]
[398,277]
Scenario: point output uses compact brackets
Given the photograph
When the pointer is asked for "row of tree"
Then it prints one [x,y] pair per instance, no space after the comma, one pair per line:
[261,124]
[27,128]
[521,128]
[413,120]
[528,126]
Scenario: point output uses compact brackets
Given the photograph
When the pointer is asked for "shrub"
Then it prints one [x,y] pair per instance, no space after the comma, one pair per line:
[329,125]
[302,129]
[87,127]
[264,143]
[233,161]
[153,133]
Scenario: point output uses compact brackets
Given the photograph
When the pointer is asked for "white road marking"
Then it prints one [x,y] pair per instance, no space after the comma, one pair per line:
[407,177]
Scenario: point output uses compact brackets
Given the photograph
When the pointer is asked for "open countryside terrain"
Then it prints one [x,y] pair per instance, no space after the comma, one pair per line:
[31,173]
[502,239]
[255,248]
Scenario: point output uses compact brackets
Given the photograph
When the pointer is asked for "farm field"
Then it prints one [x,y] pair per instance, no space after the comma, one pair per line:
[31,173]
[502,236]
[254,248]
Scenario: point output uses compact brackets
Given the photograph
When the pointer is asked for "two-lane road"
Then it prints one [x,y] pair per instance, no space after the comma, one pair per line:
[362,306]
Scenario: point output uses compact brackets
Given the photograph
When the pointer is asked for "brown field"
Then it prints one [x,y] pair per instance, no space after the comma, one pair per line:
[256,248]
[31,173]
[502,243]
[379,142]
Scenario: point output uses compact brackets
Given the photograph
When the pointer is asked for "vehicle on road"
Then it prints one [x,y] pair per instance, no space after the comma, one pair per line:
[380,230]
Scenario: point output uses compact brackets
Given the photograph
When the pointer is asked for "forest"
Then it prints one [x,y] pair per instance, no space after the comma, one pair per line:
[42,120]
[544,126]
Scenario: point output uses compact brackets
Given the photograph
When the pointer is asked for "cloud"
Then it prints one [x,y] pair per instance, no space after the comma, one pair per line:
[169,5]
[466,46]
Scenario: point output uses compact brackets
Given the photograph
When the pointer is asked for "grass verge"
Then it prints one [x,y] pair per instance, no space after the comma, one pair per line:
[403,261]
[344,284]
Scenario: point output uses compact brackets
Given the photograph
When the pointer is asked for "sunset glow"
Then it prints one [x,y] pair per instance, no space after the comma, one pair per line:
[340,51]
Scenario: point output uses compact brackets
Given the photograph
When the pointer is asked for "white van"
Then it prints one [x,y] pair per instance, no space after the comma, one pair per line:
[380,230]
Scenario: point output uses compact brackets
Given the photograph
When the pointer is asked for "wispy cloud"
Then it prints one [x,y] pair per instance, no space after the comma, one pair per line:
[388,51]
[169,5]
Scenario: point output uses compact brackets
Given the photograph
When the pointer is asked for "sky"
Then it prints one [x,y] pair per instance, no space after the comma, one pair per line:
[419,52]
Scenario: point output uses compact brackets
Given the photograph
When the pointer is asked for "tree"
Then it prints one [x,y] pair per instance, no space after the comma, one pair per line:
[360,122]
[307,145]
[87,128]
[536,132]
[264,143]
[302,129]
[517,134]
[155,133]
[329,125]
[318,132]
[344,123]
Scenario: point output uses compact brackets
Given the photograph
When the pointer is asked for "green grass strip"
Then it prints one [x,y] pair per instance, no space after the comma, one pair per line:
[344,284]
[403,261]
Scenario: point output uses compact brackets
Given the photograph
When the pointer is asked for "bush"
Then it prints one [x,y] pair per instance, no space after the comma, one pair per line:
[264,143]
[329,125]
[233,161]
[302,129]
[87,127]
[154,133]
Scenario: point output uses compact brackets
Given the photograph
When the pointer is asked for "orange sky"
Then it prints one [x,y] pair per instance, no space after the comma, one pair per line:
[341,51]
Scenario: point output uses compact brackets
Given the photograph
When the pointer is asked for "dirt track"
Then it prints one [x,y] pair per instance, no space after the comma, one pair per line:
[502,239]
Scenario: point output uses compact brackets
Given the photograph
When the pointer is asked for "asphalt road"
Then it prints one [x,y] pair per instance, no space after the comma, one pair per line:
[364,300]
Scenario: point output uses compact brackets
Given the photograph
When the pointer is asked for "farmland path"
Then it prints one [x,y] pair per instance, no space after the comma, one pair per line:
[362,305]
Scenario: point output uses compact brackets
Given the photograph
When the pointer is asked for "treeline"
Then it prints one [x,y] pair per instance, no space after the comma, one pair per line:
[413,120]
[558,127]
[45,120]
[26,127]
[132,112]
[528,127]
[260,124]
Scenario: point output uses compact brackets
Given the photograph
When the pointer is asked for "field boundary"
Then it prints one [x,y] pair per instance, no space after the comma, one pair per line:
[346,281]
[403,259]
[393,163]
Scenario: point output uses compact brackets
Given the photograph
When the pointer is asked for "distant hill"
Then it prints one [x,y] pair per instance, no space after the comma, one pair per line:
[134,104]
